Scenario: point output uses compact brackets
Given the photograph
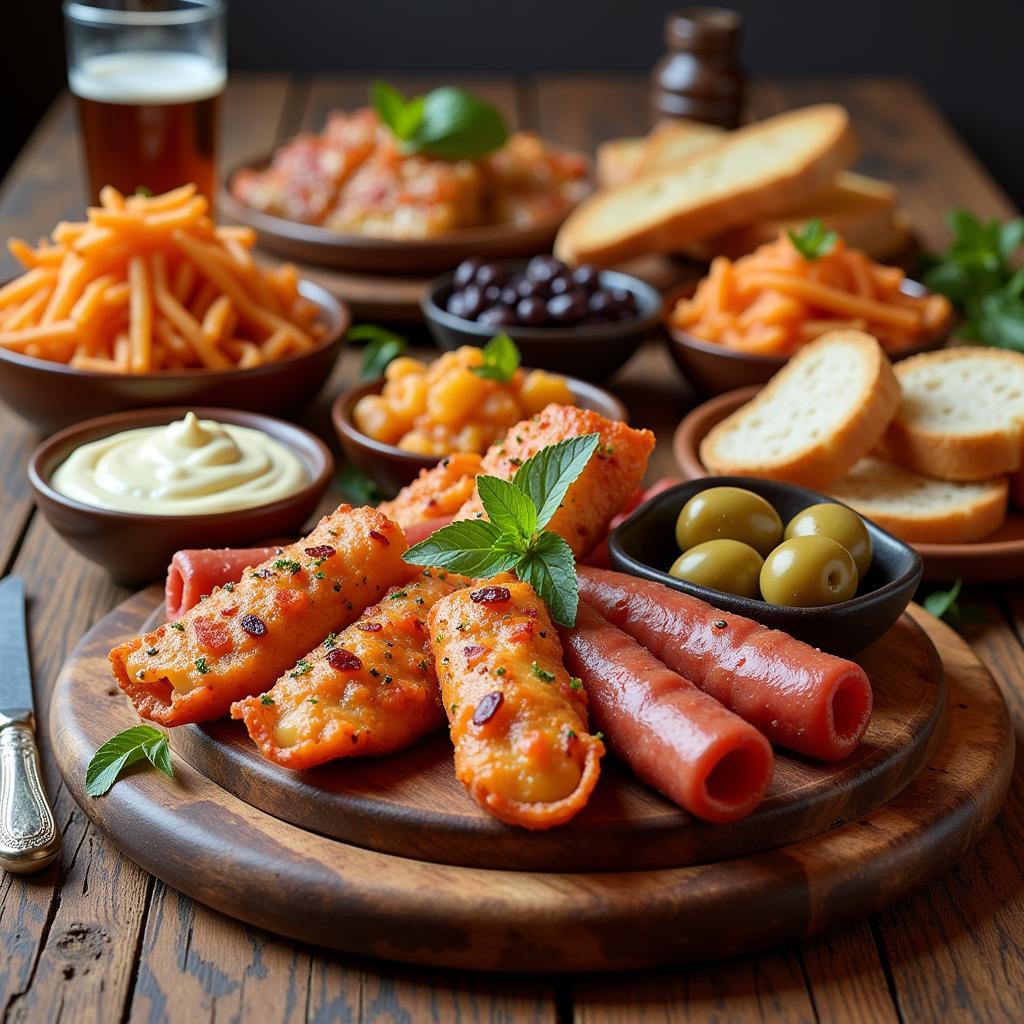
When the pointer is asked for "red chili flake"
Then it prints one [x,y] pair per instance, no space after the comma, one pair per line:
[530,611]
[264,574]
[473,650]
[369,627]
[378,536]
[344,661]
[490,595]
[213,636]
[229,612]
[488,707]
[320,551]
[253,625]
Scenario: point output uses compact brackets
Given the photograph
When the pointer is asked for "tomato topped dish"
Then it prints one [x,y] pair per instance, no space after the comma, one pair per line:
[358,177]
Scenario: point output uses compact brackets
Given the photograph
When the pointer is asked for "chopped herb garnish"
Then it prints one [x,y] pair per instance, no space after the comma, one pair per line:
[812,241]
[288,564]
[386,680]
[152,652]
[500,671]
[599,736]
[229,587]
[319,575]
[201,665]
[313,700]
[266,700]
[424,665]
[330,640]
[398,594]
[302,667]
[542,673]
[178,626]
[575,683]
[141,674]
[501,359]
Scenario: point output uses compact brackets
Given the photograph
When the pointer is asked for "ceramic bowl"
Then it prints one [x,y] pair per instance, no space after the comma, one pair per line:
[135,549]
[713,369]
[392,467]
[52,395]
[645,546]
[590,351]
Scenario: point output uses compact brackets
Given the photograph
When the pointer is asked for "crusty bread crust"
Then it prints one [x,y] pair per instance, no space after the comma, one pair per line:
[797,154]
[816,461]
[977,514]
[962,455]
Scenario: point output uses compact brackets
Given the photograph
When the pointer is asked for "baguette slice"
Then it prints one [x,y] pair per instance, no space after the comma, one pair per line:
[752,173]
[622,160]
[920,508]
[962,414]
[820,414]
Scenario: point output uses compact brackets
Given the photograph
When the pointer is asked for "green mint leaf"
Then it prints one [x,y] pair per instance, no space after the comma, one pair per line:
[939,602]
[508,508]
[548,566]
[391,108]
[812,241]
[1011,238]
[358,488]
[126,748]
[548,475]
[456,125]
[469,546]
[501,359]
[382,346]
[998,319]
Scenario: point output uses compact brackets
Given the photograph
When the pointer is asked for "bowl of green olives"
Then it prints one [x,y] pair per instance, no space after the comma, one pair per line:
[783,555]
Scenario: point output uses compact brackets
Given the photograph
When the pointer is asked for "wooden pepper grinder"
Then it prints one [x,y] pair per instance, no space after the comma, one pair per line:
[700,77]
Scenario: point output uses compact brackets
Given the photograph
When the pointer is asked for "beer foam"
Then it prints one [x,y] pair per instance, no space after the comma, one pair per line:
[147,77]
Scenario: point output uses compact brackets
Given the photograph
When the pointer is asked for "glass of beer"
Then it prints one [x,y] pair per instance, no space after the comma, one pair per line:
[148,75]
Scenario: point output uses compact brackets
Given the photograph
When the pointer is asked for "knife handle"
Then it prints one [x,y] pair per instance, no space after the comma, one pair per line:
[29,837]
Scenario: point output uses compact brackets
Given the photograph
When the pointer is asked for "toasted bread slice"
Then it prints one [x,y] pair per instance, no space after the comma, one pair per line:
[920,508]
[962,414]
[821,413]
[622,160]
[752,173]
[863,210]
[619,160]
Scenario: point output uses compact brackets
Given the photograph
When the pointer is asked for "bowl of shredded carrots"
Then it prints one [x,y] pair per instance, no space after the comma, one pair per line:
[148,303]
[741,322]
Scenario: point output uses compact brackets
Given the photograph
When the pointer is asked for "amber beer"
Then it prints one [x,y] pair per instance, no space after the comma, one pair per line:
[149,119]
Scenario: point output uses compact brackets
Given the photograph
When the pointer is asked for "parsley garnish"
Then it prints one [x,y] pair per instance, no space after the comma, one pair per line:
[266,700]
[501,359]
[513,536]
[313,700]
[126,748]
[201,665]
[330,639]
[152,652]
[288,564]
[301,668]
[448,122]
[178,626]
[397,595]
[382,347]
[542,673]
[500,670]
[575,683]
[945,605]
[812,241]
[229,587]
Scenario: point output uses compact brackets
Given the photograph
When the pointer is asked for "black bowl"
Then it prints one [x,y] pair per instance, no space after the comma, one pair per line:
[646,540]
[590,351]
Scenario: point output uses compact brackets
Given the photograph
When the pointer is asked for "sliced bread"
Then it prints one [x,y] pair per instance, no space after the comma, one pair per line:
[821,413]
[962,414]
[622,160]
[920,508]
[752,173]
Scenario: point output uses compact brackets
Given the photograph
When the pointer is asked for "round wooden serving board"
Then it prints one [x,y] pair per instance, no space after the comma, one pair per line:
[203,840]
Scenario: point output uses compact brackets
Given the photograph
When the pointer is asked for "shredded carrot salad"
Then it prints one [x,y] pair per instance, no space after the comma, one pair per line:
[148,283]
[774,300]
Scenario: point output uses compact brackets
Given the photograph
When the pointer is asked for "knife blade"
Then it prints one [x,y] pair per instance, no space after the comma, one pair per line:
[29,837]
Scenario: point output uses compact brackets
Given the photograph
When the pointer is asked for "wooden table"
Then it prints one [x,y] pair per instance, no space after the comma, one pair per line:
[96,939]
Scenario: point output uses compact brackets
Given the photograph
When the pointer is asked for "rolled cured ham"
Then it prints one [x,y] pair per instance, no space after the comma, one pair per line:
[518,721]
[675,737]
[799,697]
[196,572]
[613,473]
[599,556]
[370,689]
[244,635]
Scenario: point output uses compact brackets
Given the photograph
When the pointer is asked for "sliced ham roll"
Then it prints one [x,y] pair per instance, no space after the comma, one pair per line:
[196,572]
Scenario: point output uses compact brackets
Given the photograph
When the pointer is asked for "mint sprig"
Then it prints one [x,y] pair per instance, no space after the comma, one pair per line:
[946,605]
[812,241]
[126,748]
[501,359]
[382,346]
[448,122]
[513,537]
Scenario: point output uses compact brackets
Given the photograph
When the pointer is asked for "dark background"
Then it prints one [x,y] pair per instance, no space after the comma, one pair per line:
[969,56]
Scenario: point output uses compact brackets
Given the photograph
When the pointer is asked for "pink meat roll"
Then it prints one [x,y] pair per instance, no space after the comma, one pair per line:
[195,572]
[675,737]
[799,697]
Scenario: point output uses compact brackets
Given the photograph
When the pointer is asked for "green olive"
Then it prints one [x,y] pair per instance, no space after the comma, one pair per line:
[804,572]
[731,513]
[840,523]
[727,565]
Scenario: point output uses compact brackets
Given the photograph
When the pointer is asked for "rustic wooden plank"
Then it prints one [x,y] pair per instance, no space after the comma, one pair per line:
[956,950]
[254,114]
[583,110]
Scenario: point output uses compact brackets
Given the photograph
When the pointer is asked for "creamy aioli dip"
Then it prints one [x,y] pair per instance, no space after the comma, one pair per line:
[189,467]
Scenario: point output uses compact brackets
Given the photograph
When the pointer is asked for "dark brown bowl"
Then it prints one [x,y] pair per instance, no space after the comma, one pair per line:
[645,546]
[713,369]
[392,468]
[363,254]
[591,351]
[135,549]
[52,395]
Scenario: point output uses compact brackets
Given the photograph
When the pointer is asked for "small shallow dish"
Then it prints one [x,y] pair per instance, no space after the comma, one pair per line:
[136,549]
[392,468]
[712,368]
[645,546]
[52,395]
[590,351]
[366,254]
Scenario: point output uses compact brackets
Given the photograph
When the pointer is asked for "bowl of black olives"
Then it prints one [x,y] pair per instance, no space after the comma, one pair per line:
[577,320]
[782,555]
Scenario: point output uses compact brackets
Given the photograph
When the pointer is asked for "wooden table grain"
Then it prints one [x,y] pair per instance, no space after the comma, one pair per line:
[96,939]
